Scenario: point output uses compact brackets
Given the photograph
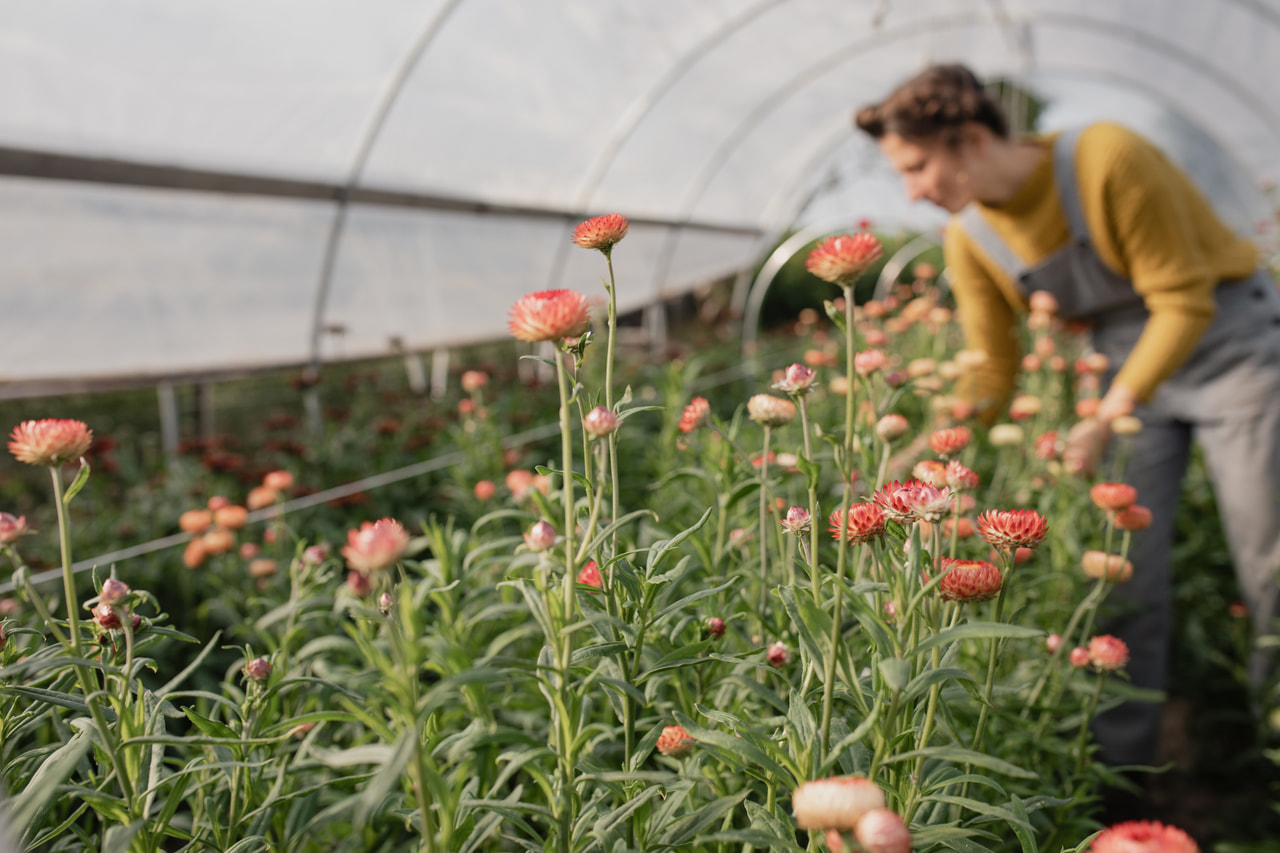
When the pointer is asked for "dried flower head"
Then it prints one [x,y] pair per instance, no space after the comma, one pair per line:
[601,232]
[1108,653]
[839,802]
[1012,528]
[930,471]
[841,259]
[50,441]
[864,522]
[771,411]
[695,414]
[674,742]
[106,616]
[375,545]
[549,315]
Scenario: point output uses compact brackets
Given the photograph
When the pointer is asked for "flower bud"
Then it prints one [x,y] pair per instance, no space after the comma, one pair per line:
[474,380]
[484,489]
[590,576]
[195,520]
[798,379]
[12,527]
[261,497]
[674,742]
[114,591]
[278,480]
[778,654]
[883,831]
[892,427]
[1079,657]
[1099,565]
[384,603]
[540,537]
[600,422]
[1053,642]
[106,617]
[258,669]
[797,521]
[715,627]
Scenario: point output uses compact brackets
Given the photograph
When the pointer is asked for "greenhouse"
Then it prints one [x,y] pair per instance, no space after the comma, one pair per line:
[470,425]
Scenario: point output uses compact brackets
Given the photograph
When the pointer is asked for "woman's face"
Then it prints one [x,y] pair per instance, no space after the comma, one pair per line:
[930,170]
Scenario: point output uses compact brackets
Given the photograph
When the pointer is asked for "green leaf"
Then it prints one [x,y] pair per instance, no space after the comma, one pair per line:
[922,682]
[895,672]
[834,314]
[686,829]
[960,755]
[1022,826]
[385,780]
[739,748]
[82,477]
[31,801]
[811,470]
[212,728]
[118,838]
[756,837]
[659,551]
[978,631]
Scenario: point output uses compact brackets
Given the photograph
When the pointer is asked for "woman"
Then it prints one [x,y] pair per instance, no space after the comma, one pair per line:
[1126,243]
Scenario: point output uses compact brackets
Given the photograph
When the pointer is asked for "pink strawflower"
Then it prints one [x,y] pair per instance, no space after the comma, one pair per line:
[930,471]
[590,575]
[869,361]
[968,580]
[798,380]
[473,380]
[1113,496]
[601,232]
[892,427]
[1143,836]
[959,477]
[863,522]
[1012,528]
[883,831]
[519,481]
[314,555]
[1052,643]
[106,616]
[674,742]
[12,528]
[258,669]
[695,414]
[715,627]
[949,442]
[599,422]
[114,591]
[797,521]
[1079,657]
[841,259]
[540,537]
[778,655]
[926,502]
[771,411]
[839,802]
[385,603]
[50,442]
[1133,518]
[261,497]
[549,315]
[1108,653]
[376,545]
[359,584]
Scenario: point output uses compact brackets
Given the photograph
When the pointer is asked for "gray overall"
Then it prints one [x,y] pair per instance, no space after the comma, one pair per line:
[1226,397]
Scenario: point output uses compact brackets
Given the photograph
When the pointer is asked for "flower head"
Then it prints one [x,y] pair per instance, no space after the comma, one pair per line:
[841,259]
[960,477]
[1012,528]
[869,361]
[892,427]
[540,537]
[930,471]
[278,480]
[863,522]
[1133,518]
[835,803]
[376,545]
[797,521]
[385,603]
[601,232]
[12,528]
[1143,836]
[549,315]
[473,380]
[599,422]
[674,742]
[798,380]
[778,655]
[771,411]
[1005,435]
[484,489]
[1099,565]
[258,669]
[1107,652]
[695,414]
[590,575]
[1113,496]
[914,501]
[114,591]
[968,580]
[1052,643]
[1079,657]
[883,831]
[50,441]
[715,627]
[106,616]
[949,442]
[260,497]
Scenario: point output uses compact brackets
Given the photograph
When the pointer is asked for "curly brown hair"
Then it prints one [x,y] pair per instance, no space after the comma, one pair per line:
[934,104]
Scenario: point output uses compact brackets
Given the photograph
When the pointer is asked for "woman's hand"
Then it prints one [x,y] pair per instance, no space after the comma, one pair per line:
[1087,440]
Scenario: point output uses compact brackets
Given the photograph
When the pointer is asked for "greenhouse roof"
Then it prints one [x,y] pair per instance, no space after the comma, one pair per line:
[208,186]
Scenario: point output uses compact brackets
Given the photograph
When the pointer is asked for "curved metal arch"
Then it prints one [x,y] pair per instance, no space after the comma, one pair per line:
[780,95]
[382,108]
[631,117]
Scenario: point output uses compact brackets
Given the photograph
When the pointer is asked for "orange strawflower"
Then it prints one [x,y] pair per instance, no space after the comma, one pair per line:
[674,742]
[549,315]
[1113,496]
[864,522]
[50,441]
[1136,517]
[1014,528]
[601,232]
[968,580]
[695,414]
[949,442]
[840,260]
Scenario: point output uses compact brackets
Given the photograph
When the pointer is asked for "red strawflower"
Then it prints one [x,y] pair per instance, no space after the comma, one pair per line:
[841,259]
[695,414]
[1113,496]
[376,545]
[1143,836]
[674,742]
[1108,652]
[715,627]
[968,580]
[549,315]
[590,575]
[864,522]
[949,442]
[1008,529]
[50,441]
[601,232]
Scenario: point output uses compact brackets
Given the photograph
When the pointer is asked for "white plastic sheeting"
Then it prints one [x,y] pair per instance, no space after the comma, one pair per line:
[218,184]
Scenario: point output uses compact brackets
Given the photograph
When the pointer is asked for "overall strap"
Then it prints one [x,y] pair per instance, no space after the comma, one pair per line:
[991,243]
[1064,174]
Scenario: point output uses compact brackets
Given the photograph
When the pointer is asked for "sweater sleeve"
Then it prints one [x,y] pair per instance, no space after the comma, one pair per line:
[1149,209]
[989,324]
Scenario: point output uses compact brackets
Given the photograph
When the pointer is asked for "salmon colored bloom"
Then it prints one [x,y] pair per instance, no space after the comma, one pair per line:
[1136,517]
[926,502]
[1013,528]
[1079,657]
[260,497]
[674,742]
[869,361]
[473,380]
[695,414]
[590,575]
[841,259]
[1113,496]
[892,427]
[601,232]
[797,521]
[278,480]
[12,528]
[519,481]
[194,553]
[883,831]
[50,441]
[1108,653]
[1048,446]
[263,567]
[930,471]
[231,517]
[218,540]
[376,545]
[949,442]
[1024,406]
[960,477]
[484,489]
[1087,407]
[963,527]
[968,580]
[1143,836]
[1099,565]
[768,410]
[549,315]
[1043,300]
[864,522]
[839,802]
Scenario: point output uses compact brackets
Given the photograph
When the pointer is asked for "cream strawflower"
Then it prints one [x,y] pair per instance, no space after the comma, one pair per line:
[50,442]
[771,411]
[835,803]
[1005,435]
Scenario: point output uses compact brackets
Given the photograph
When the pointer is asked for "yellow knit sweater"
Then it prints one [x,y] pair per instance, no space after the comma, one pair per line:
[1148,222]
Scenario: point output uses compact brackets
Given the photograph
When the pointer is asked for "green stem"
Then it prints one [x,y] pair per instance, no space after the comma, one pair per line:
[566,806]
[764,531]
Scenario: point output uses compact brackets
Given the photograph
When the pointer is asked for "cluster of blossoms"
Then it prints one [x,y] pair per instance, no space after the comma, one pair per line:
[850,804]
[112,607]
[212,529]
[274,485]
[913,501]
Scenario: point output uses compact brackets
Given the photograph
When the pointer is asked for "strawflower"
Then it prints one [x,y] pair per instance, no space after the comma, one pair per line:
[1013,528]
[1108,653]
[930,471]
[959,477]
[864,522]
[949,442]
[601,232]
[549,315]
[715,627]
[1099,564]
[590,575]
[258,669]
[600,422]
[1113,496]
[106,617]
[797,521]
[1079,657]
[1005,435]
[674,742]
[114,591]
[797,379]
[892,427]
[376,545]
[841,259]
[484,489]
[473,380]
[968,580]
[1143,836]
[1134,518]
[12,528]
[883,831]
[695,414]
[50,442]
[540,537]
[778,654]
[771,411]
[869,361]
[278,480]
[835,803]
